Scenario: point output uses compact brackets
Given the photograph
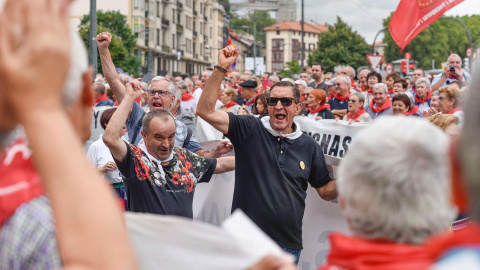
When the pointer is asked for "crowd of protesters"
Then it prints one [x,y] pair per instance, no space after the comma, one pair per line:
[406,178]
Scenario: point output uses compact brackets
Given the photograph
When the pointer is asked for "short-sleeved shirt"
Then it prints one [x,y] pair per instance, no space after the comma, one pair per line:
[28,239]
[172,194]
[134,127]
[321,85]
[336,104]
[466,77]
[271,178]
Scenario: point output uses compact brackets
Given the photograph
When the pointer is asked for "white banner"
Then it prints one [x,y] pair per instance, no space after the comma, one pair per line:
[213,201]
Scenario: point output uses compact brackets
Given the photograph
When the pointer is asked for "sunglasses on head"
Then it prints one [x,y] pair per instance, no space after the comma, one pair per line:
[286,101]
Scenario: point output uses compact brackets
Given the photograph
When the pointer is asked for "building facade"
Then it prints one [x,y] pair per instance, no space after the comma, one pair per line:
[173,36]
[284,43]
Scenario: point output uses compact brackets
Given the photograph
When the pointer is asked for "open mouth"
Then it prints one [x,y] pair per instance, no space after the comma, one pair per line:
[157,104]
[280,116]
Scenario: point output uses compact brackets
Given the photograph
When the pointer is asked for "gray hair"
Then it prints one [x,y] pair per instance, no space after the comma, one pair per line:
[361,69]
[273,76]
[454,55]
[424,81]
[99,87]
[380,85]
[308,74]
[345,79]
[412,99]
[435,93]
[161,113]
[78,66]
[361,97]
[183,84]
[209,72]
[125,78]
[296,92]
[174,91]
[390,195]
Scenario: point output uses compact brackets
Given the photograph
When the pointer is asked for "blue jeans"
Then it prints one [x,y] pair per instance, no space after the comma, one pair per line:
[294,252]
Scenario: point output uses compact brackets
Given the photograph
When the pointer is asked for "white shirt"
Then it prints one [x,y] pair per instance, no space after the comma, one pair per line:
[99,155]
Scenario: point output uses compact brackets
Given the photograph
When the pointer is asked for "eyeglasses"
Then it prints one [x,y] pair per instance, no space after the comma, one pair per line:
[337,85]
[286,101]
[305,95]
[442,98]
[161,93]
[352,100]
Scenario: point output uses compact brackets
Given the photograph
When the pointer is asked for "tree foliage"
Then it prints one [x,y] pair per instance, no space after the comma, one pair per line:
[261,18]
[123,40]
[290,68]
[340,45]
[435,42]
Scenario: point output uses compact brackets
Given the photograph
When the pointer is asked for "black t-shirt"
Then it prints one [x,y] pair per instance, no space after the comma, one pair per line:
[325,114]
[336,104]
[147,191]
[321,85]
[272,176]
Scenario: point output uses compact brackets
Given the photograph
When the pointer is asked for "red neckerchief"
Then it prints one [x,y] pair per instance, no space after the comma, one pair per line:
[102,98]
[231,104]
[341,98]
[358,114]
[320,108]
[466,237]
[455,110]
[353,84]
[187,97]
[363,89]
[351,252]
[19,180]
[385,105]
[427,98]
[390,91]
[370,91]
[248,103]
[413,111]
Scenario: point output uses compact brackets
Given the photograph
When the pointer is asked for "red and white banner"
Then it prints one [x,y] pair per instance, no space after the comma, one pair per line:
[412,16]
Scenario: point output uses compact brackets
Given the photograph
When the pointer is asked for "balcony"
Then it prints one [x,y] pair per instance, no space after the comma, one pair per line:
[195,13]
[165,22]
[179,5]
[205,18]
[179,28]
[166,49]
[195,34]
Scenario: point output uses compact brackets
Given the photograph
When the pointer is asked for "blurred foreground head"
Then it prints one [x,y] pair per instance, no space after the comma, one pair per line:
[394,184]
[78,79]
[469,152]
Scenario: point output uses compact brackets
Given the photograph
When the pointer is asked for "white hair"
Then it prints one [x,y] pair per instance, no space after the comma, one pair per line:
[454,55]
[381,85]
[78,66]
[174,91]
[345,78]
[424,81]
[352,71]
[125,78]
[395,181]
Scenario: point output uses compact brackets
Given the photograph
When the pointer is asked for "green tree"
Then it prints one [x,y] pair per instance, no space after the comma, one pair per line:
[340,45]
[123,40]
[291,68]
[261,18]
[435,42]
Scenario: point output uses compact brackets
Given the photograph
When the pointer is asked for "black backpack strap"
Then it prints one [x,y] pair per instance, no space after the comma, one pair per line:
[187,139]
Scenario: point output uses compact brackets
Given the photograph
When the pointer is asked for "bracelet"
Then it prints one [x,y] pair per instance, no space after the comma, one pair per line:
[220,68]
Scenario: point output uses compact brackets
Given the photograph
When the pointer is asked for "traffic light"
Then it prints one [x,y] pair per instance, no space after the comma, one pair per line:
[403,66]
[207,49]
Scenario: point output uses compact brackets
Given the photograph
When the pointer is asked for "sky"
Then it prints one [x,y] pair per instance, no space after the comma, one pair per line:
[366,16]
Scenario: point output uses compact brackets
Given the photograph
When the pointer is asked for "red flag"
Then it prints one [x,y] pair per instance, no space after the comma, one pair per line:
[412,16]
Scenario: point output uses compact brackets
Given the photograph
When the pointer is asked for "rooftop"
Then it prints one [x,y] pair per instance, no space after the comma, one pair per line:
[296,26]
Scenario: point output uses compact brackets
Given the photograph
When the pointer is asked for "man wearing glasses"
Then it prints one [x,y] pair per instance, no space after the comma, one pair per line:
[162,94]
[275,160]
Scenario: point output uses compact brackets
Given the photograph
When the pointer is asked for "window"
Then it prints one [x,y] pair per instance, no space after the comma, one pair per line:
[173,41]
[178,17]
[210,14]
[173,16]
[135,4]
[189,45]
[142,30]
[201,28]
[189,3]
[135,29]
[201,48]
[278,32]
[194,48]
[211,32]
[158,9]
[188,23]
[201,8]
[158,36]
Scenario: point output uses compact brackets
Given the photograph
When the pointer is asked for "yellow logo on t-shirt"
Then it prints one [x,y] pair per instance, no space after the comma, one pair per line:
[302,165]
